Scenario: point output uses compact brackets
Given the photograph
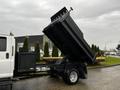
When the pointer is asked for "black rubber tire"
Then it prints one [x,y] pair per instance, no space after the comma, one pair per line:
[66,77]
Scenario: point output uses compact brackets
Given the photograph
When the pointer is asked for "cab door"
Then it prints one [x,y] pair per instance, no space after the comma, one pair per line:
[5,57]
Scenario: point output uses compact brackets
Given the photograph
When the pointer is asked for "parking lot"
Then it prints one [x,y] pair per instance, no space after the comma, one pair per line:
[98,79]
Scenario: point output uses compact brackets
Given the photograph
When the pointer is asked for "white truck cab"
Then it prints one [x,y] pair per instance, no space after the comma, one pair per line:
[7,56]
[11,66]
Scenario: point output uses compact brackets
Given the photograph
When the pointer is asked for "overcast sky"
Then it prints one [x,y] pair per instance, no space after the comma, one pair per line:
[99,20]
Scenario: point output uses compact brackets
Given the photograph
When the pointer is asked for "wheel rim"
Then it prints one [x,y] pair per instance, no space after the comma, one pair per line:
[73,76]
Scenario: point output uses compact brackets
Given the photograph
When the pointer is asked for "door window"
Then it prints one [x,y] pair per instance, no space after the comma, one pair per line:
[3,44]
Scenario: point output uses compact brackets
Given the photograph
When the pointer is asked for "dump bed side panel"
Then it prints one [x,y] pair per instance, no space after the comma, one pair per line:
[69,22]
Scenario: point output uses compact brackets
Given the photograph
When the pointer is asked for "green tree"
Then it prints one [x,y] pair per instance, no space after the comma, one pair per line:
[25,45]
[118,47]
[55,51]
[46,50]
[95,48]
[37,51]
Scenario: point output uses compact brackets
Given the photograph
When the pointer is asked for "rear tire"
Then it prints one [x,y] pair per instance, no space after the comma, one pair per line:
[71,77]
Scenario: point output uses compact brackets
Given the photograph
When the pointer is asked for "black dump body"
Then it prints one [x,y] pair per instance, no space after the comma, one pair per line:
[25,62]
[67,36]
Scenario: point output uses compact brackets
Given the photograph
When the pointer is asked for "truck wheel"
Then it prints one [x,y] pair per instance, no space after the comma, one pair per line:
[71,77]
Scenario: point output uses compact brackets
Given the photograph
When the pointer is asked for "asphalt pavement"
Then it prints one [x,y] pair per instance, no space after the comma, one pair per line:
[98,79]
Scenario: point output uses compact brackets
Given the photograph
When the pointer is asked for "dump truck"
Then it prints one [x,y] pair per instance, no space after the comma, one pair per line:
[67,36]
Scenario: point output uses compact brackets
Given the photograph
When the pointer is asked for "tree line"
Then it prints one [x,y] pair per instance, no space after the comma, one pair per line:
[97,50]
[55,50]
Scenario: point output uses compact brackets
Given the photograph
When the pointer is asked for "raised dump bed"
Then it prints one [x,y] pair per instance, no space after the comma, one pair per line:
[67,36]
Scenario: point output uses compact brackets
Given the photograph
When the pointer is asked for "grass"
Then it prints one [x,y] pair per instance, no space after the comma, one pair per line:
[110,61]
[104,61]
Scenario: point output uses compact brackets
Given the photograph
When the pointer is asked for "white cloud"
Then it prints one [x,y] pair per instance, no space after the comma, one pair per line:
[102,29]
[98,19]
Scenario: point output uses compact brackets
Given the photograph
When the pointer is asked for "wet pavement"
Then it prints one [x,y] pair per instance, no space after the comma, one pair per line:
[98,79]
